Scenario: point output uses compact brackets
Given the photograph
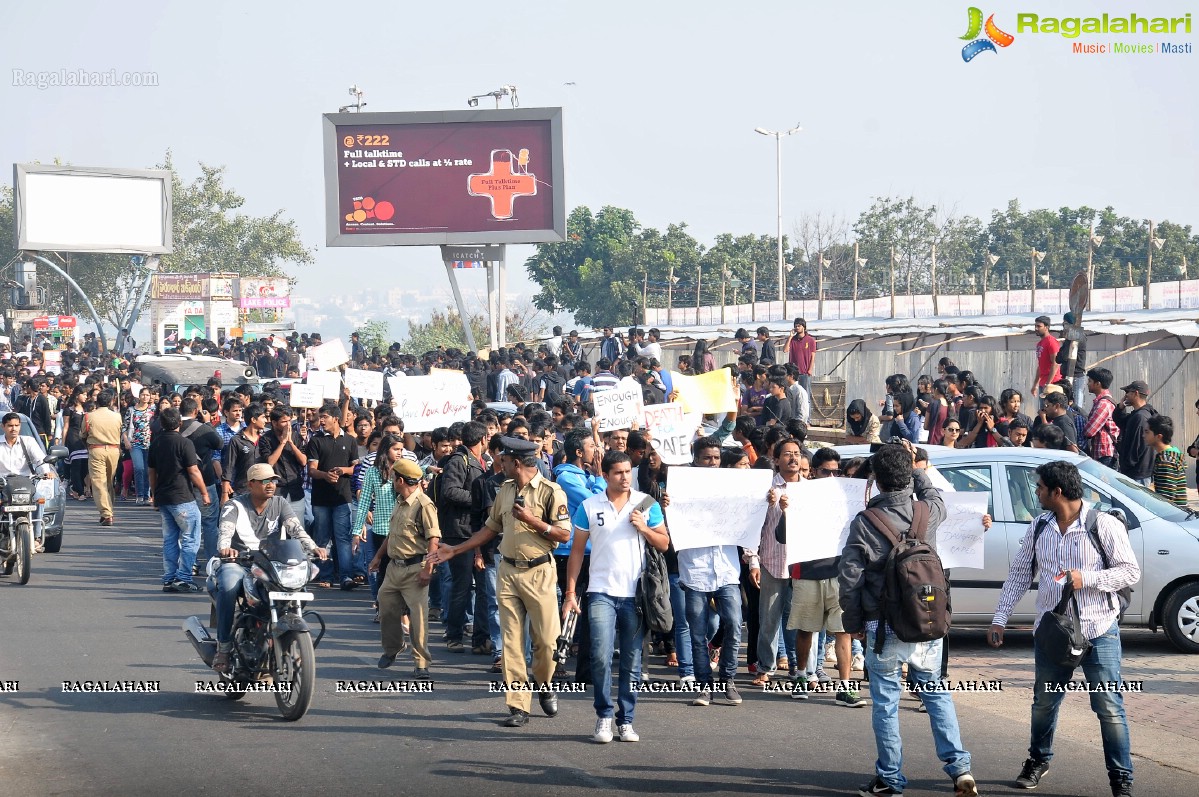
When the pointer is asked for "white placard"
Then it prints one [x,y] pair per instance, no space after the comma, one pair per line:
[670,432]
[279,343]
[819,512]
[307,395]
[328,356]
[425,402]
[364,384]
[714,506]
[328,381]
[960,538]
[620,407]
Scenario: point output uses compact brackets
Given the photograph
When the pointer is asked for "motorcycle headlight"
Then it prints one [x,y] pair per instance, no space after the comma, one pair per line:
[291,576]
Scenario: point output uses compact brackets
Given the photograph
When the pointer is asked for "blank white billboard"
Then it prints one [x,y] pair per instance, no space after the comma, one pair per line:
[83,209]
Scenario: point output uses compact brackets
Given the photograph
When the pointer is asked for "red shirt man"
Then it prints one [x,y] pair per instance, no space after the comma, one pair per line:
[801,348]
[1047,371]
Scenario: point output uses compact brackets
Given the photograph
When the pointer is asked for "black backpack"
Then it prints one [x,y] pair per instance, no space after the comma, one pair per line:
[1124,594]
[915,601]
[653,588]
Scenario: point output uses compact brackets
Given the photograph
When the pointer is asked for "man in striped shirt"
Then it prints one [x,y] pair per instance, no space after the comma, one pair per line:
[604,379]
[1100,431]
[1169,474]
[1071,555]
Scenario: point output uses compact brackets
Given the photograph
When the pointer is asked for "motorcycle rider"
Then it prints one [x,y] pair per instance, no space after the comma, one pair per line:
[247,520]
[19,456]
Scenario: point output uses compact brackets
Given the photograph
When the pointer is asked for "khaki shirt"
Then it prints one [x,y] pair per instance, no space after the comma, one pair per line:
[544,499]
[413,524]
[103,427]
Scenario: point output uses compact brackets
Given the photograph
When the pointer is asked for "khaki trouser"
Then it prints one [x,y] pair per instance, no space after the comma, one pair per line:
[102,467]
[531,592]
[402,590]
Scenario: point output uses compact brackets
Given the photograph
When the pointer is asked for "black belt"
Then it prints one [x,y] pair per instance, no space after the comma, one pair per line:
[411,560]
[526,564]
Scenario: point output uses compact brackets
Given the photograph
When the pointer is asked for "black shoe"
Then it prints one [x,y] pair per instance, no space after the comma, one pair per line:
[1121,787]
[347,584]
[549,703]
[422,674]
[171,586]
[876,786]
[518,719]
[386,660]
[187,587]
[1030,776]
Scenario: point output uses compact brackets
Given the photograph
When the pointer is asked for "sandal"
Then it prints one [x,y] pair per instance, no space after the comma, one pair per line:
[220,662]
[672,660]
[762,679]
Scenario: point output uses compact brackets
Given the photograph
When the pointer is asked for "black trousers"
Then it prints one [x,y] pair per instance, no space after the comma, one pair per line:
[583,626]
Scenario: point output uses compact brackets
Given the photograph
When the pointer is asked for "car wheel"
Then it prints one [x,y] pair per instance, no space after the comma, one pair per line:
[52,544]
[1180,617]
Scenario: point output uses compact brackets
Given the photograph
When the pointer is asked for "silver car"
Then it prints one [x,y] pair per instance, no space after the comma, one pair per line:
[1164,537]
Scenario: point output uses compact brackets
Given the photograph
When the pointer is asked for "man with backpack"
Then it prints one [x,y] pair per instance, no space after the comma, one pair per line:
[451,492]
[618,523]
[895,597]
[1094,557]
[1100,432]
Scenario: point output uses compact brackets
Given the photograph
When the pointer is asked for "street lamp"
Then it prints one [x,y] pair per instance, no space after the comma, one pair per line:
[503,91]
[778,161]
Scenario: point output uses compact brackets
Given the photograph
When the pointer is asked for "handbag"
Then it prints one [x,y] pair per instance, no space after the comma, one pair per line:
[1059,635]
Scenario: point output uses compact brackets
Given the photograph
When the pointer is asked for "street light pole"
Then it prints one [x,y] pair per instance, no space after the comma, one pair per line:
[778,164]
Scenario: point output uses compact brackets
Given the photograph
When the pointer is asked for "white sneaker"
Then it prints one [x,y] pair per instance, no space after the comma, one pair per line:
[858,664]
[603,730]
[627,734]
[687,679]
[830,655]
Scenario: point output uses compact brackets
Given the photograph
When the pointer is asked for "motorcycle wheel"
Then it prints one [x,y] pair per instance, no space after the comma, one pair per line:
[295,674]
[24,553]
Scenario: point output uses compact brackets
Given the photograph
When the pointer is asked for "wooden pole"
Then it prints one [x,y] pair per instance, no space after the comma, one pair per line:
[644,295]
[1149,264]
[699,276]
[1032,303]
[753,292]
[820,286]
[855,279]
[1090,261]
[1131,349]
[723,281]
[1130,273]
[933,280]
[670,297]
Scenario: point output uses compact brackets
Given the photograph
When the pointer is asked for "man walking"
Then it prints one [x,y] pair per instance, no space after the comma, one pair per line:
[459,471]
[618,524]
[862,575]
[1132,416]
[1100,432]
[207,442]
[331,460]
[801,352]
[174,472]
[1046,371]
[102,431]
[1058,547]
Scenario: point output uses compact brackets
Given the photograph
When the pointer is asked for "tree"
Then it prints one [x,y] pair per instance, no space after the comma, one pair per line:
[209,235]
[374,335]
[444,329]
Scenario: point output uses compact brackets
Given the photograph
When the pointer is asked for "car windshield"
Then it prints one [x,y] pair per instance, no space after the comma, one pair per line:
[1137,494]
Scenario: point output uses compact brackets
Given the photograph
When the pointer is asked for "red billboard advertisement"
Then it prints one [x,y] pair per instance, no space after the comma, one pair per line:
[444,178]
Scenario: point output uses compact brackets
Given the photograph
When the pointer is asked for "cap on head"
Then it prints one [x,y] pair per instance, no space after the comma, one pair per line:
[1137,386]
[1068,318]
[260,471]
[406,469]
[515,447]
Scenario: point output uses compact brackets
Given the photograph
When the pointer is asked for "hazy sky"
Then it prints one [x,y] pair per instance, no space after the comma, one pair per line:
[660,115]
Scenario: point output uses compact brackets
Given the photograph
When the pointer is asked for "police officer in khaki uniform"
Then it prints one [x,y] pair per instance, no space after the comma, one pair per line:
[531,515]
[412,538]
[102,430]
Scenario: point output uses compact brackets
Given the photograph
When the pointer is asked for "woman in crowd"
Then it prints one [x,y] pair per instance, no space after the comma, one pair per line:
[72,418]
[376,503]
[861,425]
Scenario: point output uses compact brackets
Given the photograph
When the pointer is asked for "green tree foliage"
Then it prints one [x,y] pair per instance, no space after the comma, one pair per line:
[374,335]
[209,235]
[444,330]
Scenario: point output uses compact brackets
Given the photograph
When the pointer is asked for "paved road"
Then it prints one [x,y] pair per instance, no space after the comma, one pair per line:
[95,611]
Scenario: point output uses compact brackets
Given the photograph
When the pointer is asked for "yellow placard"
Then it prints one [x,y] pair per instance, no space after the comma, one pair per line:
[708,393]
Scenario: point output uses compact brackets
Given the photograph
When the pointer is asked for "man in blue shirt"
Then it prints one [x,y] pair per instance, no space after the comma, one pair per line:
[581,452]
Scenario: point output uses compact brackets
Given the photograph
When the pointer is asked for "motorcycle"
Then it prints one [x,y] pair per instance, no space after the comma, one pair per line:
[20,522]
[271,639]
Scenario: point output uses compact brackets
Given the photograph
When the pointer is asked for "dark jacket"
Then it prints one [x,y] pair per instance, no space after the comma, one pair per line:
[1136,458]
[862,573]
[1080,365]
[767,357]
[459,471]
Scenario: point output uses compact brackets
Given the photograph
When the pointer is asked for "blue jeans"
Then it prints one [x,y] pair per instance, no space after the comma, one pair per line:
[924,665]
[462,579]
[210,517]
[1101,665]
[728,607]
[615,622]
[439,589]
[331,529]
[487,609]
[180,541]
[682,631]
[224,586]
[141,473]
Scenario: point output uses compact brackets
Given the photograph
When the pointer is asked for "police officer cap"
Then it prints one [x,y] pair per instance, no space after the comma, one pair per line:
[515,447]
[407,469]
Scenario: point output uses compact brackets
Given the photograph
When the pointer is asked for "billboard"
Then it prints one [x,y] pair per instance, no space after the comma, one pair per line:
[85,209]
[179,286]
[450,177]
[256,293]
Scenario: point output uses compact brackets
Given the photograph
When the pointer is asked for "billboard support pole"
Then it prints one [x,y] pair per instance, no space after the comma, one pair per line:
[502,298]
[90,308]
[134,311]
[493,333]
[470,335]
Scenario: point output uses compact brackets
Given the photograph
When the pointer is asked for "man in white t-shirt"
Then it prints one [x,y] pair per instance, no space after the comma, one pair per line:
[618,523]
